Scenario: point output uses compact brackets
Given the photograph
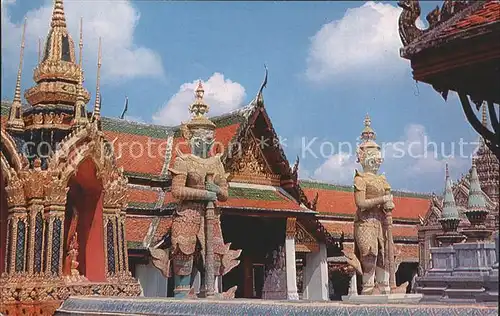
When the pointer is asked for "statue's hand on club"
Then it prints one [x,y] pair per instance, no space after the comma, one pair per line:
[388,202]
[212,189]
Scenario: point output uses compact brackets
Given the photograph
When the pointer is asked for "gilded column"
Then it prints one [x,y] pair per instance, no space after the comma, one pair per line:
[109,241]
[35,236]
[16,225]
[114,206]
[33,180]
[55,192]
[122,244]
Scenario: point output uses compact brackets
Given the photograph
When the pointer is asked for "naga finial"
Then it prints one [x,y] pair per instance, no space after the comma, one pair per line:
[408,30]
[260,96]
[295,167]
[314,203]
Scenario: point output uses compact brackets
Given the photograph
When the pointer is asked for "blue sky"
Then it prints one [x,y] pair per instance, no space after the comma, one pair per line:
[329,64]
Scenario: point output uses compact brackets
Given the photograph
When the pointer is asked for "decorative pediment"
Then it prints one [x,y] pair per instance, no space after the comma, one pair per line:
[305,241]
[247,163]
[432,218]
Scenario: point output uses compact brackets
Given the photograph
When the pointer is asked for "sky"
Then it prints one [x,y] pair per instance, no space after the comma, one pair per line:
[330,63]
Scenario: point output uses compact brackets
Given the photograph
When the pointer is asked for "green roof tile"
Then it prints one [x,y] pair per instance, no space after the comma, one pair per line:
[253,194]
[128,127]
[306,184]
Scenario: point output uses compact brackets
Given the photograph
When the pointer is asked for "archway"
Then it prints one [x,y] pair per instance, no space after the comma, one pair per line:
[83,224]
[4,213]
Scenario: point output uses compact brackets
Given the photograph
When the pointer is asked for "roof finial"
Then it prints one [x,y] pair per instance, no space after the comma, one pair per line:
[80,44]
[80,110]
[446,171]
[260,95]
[15,121]
[58,18]
[125,108]
[97,104]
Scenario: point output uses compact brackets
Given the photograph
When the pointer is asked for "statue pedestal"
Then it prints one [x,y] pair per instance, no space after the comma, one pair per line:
[383,299]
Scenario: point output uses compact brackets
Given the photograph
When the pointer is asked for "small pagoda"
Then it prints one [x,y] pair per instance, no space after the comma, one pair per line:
[462,271]
[450,218]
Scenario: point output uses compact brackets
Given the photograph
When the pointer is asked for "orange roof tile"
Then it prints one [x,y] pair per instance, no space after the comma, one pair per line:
[335,199]
[162,228]
[136,227]
[223,136]
[135,157]
[488,13]
[142,195]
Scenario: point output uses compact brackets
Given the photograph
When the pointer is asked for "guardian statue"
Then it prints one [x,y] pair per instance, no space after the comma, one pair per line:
[198,181]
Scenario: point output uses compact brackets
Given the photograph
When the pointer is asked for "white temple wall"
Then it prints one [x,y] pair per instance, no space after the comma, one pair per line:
[153,283]
[316,275]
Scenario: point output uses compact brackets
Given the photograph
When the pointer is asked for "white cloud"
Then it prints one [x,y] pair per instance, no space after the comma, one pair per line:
[365,39]
[115,21]
[338,169]
[422,155]
[222,95]
[414,156]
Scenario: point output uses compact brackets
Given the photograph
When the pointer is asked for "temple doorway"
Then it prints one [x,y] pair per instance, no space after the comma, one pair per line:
[4,214]
[83,225]
[258,237]
[405,273]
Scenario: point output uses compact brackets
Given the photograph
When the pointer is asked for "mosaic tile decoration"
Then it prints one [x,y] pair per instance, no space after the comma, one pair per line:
[169,306]
[21,239]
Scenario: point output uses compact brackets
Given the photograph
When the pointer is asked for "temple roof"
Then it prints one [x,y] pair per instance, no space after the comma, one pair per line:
[338,200]
[453,22]
[148,197]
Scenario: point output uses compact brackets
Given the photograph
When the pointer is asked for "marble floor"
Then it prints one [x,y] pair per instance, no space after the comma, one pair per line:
[168,306]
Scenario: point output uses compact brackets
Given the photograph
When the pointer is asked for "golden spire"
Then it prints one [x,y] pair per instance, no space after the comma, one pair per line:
[198,110]
[80,44]
[80,117]
[15,121]
[58,18]
[97,105]
[39,49]
[58,73]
